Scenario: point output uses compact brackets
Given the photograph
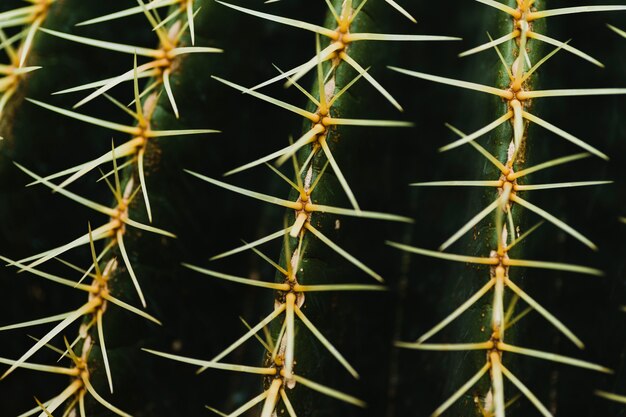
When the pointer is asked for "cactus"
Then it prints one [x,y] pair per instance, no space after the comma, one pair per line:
[125,204]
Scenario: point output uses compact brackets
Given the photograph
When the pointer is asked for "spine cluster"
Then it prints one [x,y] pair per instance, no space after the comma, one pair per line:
[27,20]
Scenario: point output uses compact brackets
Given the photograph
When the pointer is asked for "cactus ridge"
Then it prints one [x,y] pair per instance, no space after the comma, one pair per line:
[164,63]
[289,300]
[517,96]
[290,296]
[159,69]
[336,52]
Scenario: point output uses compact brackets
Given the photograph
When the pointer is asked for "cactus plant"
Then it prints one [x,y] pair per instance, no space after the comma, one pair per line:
[106,248]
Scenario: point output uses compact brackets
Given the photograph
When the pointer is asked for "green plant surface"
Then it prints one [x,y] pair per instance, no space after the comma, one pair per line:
[106,287]
[314,227]
[484,399]
[336,150]
[119,344]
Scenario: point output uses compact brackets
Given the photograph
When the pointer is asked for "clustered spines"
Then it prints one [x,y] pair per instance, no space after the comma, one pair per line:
[30,19]
[337,51]
[159,69]
[523,16]
[134,148]
[516,96]
[321,121]
[303,205]
[280,369]
[92,312]
[114,229]
[291,297]
[99,293]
